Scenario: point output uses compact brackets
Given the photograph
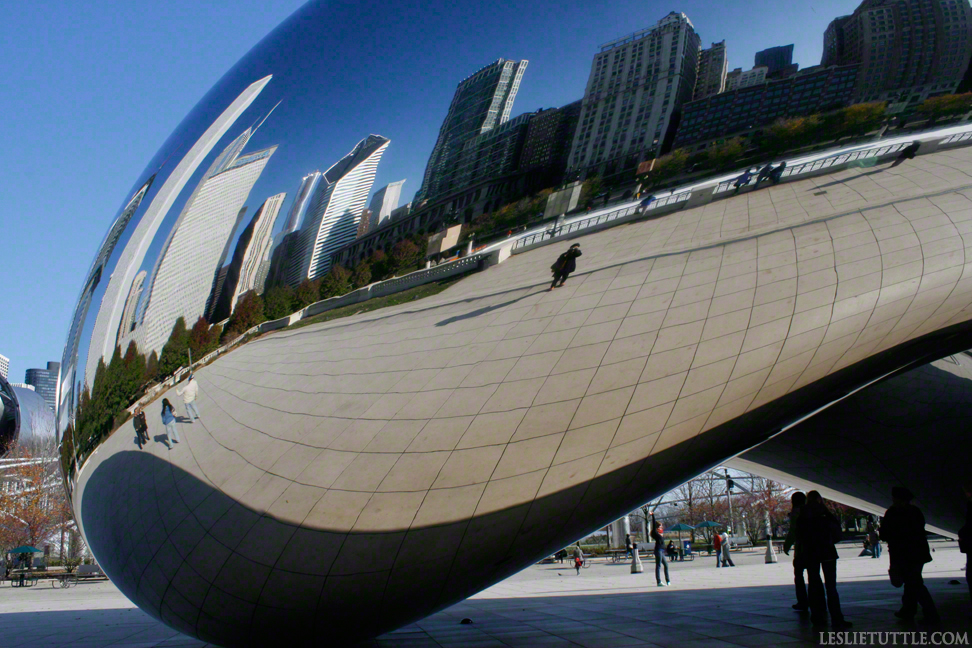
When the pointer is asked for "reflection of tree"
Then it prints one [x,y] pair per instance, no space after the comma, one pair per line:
[936,108]
[336,282]
[247,314]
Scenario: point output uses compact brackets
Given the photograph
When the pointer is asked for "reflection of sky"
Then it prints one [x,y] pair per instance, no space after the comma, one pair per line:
[344,70]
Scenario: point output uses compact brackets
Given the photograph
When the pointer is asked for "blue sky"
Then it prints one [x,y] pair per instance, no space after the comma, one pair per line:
[97,87]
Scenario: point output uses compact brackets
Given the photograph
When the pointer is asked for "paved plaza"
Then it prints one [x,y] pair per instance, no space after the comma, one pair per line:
[548,606]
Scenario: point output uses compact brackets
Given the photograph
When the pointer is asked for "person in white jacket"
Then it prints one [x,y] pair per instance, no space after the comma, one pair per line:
[188,393]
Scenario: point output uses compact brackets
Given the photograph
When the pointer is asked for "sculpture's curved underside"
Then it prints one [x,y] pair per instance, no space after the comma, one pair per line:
[348,477]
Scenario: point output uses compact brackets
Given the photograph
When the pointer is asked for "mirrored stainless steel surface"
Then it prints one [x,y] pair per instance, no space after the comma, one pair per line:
[342,479]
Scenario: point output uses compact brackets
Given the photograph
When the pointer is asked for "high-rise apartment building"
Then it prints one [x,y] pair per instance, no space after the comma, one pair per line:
[4,366]
[548,139]
[183,280]
[110,310]
[738,79]
[44,382]
[908,50]
[383,203]
[482,102]
[777,60]
[240,276]
[333,217]
[128,319]
[302,200]
[637,83]
[713,64]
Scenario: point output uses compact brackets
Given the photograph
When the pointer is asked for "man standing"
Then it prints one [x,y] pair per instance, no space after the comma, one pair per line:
[797,500]
[726,558]
[578,558]
[717,547]
[564,265]
[903,528]
[189,393]
[817,531]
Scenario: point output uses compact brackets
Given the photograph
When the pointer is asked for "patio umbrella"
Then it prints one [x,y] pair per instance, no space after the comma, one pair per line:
[681,527]
[25,549]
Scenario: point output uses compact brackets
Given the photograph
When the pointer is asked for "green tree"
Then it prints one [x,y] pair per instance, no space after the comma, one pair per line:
[665,168]
[858,119]
[590,188]
[278,302]
[793,132]
[152,366]
[379,263]
[202,338]
[361,275]
[936,108]
[404,255]
[247,314]
[336,282]
[725,155]
[307,293]
[175,353]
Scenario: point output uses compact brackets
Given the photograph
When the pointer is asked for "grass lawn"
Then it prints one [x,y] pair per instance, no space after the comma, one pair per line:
[410,295]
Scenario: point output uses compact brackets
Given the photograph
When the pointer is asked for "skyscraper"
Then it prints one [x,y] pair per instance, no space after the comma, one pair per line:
[637,83]
[305,192]
[383,203]
[481,102]
[251,249]
[183,281]
[110,310]
[908,50]
[333,216]
[44,382]
[131,305]
[4,366]
[738,79]
[776,59]
[713,64]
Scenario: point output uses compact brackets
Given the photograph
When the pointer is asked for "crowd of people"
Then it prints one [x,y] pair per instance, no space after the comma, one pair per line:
[189,393]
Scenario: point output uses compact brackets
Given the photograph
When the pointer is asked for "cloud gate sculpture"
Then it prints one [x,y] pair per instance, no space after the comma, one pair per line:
[348,477]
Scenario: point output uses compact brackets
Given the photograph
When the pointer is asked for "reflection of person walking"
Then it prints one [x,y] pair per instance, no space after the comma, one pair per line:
[818,529]
[874,540]
[141,427]
[907,153]
[628,544]
[189,393]
[903,528]
[658,535]
[717,547]
[726,558]
[798,499]
[169,421]
[565,264]
[578,558]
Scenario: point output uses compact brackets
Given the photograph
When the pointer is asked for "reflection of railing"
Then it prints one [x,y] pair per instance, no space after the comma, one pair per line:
[957,137]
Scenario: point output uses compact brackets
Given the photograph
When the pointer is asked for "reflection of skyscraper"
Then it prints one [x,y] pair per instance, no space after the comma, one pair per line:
[131,304]
[383,203]
[4,366]
[713,65]
[133,255]
[333,216]
[251,248]
[482,102]
[184,280]
[220,276]
[44,382]
[301,201]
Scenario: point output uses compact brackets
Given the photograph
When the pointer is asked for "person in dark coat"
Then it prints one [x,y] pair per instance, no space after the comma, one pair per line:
[798,500]
[658,535]
[764,174]
[907,153]
[965,535]
[565,264]
[141,427]
[903,528]
[817,531]
[742,180]
[777,173]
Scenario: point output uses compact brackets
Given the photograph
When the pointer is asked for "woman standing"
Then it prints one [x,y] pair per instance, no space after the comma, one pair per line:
[169,421]
[658,535]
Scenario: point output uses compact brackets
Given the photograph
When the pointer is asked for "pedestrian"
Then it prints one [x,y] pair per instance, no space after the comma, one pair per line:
[907,153]
[777,173]
[628,545]
[564,265]
[874,540]
[189,393]
[169,421]
[742,180]
[903,528]
[658,535]
[578,558]
[671,550]
[645,203]
[717,547]
[141,427]
[965,535]
[797,501]
[726,558]
[818,530]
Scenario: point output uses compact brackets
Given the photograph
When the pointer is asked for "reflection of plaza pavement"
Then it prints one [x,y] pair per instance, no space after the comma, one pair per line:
[548,605]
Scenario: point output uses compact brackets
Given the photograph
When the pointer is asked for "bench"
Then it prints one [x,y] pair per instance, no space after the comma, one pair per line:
[740,542]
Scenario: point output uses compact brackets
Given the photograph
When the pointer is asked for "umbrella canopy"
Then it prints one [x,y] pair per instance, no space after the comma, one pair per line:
[26,549]
[704,525]
[681,527]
